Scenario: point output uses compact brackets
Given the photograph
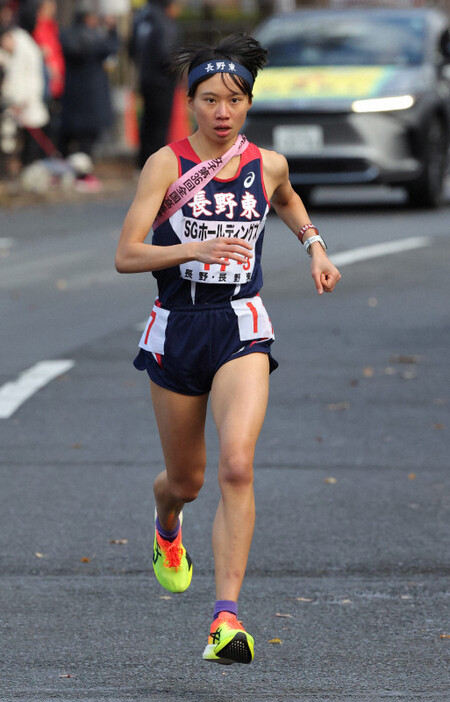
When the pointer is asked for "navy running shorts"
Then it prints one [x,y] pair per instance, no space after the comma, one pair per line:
[182,349]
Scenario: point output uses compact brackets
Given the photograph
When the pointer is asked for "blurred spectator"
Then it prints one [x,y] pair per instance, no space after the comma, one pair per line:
[23,89]
[142,26]
[6,13]
[154,34]
[86,103]
[46,35]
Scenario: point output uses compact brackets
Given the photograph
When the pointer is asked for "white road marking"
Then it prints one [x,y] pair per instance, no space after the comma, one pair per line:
[16,392]
[376,250]
[6,242]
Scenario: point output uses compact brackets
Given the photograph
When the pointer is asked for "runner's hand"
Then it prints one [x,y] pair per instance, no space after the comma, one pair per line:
[221,249]
[324,273]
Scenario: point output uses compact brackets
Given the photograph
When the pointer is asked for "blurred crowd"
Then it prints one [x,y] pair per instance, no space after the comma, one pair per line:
[55,92]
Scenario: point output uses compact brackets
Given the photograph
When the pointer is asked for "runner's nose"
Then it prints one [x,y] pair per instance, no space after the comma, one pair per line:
[222,110]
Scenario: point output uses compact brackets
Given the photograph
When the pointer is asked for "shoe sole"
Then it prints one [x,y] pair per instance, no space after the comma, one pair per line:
[235,651]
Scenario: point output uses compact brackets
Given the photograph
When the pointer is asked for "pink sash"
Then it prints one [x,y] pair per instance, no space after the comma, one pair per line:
[183,190]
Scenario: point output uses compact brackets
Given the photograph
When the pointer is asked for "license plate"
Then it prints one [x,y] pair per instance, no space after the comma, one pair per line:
[296,139]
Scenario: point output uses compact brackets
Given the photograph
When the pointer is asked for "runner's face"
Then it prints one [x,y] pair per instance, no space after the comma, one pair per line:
[220,107]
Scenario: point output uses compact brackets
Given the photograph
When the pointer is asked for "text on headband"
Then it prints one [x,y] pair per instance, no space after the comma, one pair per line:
[209,68]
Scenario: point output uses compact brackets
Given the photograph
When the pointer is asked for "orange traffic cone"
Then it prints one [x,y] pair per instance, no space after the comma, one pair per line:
[180,125]
[131,126]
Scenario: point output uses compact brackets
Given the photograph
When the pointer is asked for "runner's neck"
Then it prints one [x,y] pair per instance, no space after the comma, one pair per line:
[207,149]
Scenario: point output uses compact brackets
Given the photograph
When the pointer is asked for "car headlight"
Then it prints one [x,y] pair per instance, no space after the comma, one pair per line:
[386,104]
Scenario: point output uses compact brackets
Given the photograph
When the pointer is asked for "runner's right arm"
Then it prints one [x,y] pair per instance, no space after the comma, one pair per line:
[134,255]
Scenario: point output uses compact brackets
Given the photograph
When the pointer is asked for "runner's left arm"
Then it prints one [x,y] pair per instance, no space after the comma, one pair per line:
[290,208]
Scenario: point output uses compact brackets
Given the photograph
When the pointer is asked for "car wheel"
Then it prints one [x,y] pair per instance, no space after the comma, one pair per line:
[427,190]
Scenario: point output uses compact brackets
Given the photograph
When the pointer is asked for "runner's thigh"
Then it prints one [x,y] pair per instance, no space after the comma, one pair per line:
[181,426]
[239,397]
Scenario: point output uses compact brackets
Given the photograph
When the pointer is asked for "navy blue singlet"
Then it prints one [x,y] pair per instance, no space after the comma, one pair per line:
[236,207]
[208,314]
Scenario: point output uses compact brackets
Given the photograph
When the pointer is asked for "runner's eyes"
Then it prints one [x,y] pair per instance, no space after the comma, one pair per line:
[233,101]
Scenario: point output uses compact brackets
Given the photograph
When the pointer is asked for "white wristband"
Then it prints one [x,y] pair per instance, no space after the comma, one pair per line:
[311,240]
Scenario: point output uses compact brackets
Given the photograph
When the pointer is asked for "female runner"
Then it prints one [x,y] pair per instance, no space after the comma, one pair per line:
[209,334]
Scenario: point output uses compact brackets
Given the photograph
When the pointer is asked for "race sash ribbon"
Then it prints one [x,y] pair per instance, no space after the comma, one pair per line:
[184,189]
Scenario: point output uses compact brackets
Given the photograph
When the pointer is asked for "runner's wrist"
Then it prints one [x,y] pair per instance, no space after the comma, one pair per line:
[306,231]
[190,251]
[316,249]
[310,241]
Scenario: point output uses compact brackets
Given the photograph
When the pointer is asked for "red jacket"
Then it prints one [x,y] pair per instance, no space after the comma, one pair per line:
[46,34]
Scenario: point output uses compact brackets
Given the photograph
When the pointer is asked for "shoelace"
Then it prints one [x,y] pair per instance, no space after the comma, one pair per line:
[173,553]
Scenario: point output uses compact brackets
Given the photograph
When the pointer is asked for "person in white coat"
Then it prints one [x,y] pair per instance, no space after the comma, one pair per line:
[23,89]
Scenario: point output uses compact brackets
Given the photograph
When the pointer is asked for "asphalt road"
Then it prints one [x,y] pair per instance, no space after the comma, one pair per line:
[347,591]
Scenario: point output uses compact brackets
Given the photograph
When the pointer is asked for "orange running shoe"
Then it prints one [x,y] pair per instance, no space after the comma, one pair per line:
[228,642]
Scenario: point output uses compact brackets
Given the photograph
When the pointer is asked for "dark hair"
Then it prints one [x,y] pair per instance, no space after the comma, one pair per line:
[240,48]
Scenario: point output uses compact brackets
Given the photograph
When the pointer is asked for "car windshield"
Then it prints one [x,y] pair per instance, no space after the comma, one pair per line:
[324,40]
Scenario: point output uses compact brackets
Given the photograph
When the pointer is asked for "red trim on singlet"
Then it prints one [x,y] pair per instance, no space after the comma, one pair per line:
[183,149]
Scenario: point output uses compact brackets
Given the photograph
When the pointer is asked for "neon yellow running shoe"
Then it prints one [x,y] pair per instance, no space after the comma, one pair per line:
[228,642]
[172,563]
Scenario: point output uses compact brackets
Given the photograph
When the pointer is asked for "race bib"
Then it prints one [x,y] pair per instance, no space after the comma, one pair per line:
[230,272]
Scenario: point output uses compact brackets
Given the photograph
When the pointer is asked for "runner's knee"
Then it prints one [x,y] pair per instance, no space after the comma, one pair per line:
[236,469]
[187,488]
